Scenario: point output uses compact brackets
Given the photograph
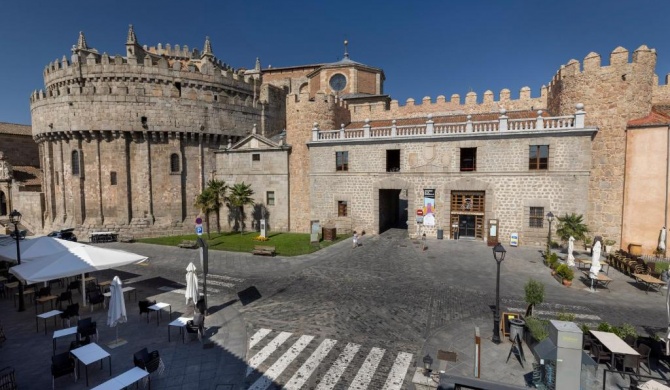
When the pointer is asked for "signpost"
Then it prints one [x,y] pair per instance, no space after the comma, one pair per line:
[204,256]
[198,226]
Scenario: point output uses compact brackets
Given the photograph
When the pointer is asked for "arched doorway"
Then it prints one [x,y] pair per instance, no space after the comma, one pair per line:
[3,203]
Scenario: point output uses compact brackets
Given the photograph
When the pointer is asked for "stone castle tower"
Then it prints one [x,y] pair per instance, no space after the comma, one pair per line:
[127,142]
[612,95]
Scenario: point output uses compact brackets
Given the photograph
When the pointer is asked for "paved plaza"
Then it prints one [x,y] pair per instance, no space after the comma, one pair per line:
[338,318]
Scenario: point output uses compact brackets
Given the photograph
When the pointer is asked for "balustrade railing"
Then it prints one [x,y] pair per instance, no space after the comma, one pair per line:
[502,125]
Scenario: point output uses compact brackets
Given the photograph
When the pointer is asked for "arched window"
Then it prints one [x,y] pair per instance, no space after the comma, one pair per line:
[75,162]
[174,163]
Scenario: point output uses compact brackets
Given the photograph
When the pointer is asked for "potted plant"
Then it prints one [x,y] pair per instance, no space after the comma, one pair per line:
[588,241]
[565,274]
[609,244]
[534,295]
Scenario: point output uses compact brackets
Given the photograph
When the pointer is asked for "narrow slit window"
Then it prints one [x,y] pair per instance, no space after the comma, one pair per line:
[75,162]
[174,163]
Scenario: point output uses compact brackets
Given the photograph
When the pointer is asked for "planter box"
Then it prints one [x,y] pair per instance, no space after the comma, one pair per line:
[559,279]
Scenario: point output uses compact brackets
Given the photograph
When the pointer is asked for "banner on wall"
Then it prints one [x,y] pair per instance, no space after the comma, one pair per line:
[429,207]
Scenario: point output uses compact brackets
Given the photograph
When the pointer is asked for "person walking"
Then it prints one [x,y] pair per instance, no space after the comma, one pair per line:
[355,240]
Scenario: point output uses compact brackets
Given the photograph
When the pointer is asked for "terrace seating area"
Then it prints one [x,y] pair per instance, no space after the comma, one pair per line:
[644,271]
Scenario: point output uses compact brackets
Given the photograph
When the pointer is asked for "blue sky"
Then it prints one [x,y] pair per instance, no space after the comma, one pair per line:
[426,48]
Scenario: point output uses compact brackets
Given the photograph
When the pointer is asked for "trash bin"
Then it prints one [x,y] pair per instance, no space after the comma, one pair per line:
[440,234]
[516,327]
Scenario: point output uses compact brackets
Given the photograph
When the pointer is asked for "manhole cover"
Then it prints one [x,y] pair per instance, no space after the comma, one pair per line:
[447,355]
[533,261]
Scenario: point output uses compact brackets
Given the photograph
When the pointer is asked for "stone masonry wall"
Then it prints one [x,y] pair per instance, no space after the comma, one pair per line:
[612,95]
[502,171]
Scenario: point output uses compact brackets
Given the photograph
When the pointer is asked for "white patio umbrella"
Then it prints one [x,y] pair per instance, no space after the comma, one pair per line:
[191,284]
[571,248]
[117,310]
[667,336]
[661,240]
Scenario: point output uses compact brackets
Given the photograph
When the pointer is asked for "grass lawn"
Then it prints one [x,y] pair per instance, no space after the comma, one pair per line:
[286,244]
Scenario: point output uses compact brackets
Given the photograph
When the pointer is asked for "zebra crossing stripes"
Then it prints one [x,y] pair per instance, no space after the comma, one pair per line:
[364,375]
[398,371]
[280,365]
[263,354]
[258,336]
[337,369]
[306,370]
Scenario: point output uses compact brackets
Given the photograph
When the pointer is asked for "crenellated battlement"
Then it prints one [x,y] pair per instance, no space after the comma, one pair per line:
[320,98]
[439,106]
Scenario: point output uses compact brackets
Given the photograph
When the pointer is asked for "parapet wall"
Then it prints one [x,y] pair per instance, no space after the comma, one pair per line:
[111,93]
[442,106]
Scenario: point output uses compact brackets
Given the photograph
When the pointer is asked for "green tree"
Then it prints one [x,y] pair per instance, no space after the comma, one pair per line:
[219,188]
[206,202]
[534,294]
[571,225]
[240,196]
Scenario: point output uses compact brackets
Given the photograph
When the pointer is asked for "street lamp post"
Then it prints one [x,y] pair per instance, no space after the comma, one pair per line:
[499,255]
[550,218]
[15,218]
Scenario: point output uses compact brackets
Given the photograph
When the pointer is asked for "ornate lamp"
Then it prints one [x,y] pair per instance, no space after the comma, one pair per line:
[499,255]
[15,218]
[550,218]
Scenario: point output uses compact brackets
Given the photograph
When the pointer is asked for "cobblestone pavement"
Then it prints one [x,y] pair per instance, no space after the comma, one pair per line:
[387,294]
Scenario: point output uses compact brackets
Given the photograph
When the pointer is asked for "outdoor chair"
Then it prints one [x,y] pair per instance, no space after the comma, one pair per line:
[149,361]
[630,340]
[79,343]
[599,354]
[71,311]
[644,350]
[7,379]
[75,285]
[65,296]
[95,297]
[43,292]
[144,307]
[86,328]
[61,365]
[629,361]
[196,327]
[587,341]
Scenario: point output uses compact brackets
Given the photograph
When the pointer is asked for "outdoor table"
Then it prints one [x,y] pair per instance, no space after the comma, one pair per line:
[602,280]
[649,281]
[104,284]
[181,324]
[157,308]
[62,333]
[614,344]
[45,316]
[123,380]
[587,263]
[91,353]
[125,290]
[43,300]
[653,385]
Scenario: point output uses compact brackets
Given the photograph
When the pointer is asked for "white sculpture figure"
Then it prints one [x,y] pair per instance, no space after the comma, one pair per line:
[571,248]
[595,261]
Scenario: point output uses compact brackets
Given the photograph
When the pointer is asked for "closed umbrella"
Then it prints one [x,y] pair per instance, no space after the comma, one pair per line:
[571,248]
[661,240]
[191,284]
[595,261]
[117,310]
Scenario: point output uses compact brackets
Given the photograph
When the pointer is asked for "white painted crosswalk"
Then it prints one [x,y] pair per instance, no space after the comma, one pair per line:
[284,359]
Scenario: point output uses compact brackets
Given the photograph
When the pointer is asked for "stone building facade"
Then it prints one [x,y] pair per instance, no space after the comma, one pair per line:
[127,142]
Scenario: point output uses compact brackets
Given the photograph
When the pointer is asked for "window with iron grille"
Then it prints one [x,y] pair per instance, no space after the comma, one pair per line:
[536,219]
[468,159]
[270,196]
[174,163]
[342,161]
[256,157]
[75,162]
[341,208]
[112,178]
[538,157]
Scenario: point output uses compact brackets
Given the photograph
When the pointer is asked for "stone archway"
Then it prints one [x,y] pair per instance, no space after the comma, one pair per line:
[382,192]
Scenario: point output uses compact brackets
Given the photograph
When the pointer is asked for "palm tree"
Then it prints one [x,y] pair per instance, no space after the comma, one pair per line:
[206,203]
[240,195]
[571,225]
[219,189]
